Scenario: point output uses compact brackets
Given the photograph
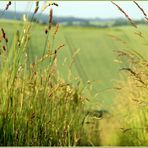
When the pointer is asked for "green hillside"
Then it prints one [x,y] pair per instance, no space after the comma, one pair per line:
[96,58]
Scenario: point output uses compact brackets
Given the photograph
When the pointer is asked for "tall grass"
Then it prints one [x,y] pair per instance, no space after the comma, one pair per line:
[131,107]
[132,103]
[37,107]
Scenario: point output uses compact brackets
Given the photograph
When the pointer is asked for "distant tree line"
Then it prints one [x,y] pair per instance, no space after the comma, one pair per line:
[123,22]
[71,21]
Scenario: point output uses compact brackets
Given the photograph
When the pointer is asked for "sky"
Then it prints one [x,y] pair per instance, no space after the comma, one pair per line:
[85,9]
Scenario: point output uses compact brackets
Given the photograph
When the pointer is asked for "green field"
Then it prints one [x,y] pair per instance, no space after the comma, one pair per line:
[82,82]
[44,103]
[96,58]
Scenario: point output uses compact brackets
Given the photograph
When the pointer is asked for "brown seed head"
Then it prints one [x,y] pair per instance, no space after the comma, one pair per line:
[142,10]
[4,48]
[56,29]
[37,7]
[50,18]
[3,33]
[55,4]
[6,39]
[9,3]
[46,31]
[7,6]
[126,15]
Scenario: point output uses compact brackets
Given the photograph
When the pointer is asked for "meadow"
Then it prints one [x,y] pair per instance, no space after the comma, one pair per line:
[72,86]
[95,58]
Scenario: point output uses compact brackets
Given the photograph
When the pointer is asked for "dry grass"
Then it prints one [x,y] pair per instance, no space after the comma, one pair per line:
[37,107]
[131,112]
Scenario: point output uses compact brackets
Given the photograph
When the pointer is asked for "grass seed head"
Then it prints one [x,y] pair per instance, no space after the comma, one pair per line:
[3,33]
[46,31]
[36,7]
[126,15]
[50,18]
[7,6]
[56,30]
[142,10]
[4,48]
[6,39]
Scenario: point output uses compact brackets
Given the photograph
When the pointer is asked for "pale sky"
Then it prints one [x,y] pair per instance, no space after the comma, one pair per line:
[85,9]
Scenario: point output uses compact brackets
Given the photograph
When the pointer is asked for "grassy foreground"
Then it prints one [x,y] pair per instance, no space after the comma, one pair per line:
[37,107]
